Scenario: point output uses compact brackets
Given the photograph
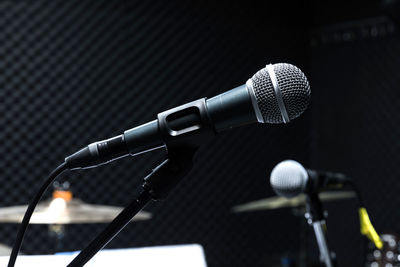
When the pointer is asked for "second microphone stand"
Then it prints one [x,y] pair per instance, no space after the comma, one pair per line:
[316,217]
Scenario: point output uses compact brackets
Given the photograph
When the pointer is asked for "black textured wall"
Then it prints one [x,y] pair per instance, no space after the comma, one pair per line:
[356,125]
[73,72]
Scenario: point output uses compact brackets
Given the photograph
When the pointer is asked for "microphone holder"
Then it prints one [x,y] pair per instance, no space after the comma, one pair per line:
[316,217]
[156,186]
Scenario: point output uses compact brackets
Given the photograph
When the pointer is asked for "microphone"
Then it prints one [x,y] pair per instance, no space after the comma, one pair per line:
[277,93]
[289,178]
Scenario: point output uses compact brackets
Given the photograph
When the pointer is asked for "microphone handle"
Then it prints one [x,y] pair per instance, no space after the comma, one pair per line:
[325,180]
[188,125]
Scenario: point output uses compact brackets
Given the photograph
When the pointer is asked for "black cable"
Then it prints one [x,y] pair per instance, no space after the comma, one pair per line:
[29,212]
[357,191]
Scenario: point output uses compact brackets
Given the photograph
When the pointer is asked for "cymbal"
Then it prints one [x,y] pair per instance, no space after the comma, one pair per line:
[60,211]
[5,250]
[282,202]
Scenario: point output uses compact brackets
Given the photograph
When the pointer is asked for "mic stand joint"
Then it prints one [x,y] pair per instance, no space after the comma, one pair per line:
[156,186]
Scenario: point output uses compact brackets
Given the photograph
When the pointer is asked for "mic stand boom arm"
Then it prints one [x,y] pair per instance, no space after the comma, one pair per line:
[156,186]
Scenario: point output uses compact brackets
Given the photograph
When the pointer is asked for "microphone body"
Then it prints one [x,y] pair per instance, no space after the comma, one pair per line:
[320,180]
[189,124]
[289,178]
[275,94]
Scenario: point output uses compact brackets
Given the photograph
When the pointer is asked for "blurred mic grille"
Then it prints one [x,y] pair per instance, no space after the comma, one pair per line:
[288,178]
[294,88]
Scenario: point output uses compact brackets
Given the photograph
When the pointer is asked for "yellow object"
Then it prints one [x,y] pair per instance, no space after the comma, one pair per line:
[367,229]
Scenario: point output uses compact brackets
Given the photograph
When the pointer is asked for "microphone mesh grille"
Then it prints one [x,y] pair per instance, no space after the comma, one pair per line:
[288,178]
[294,88]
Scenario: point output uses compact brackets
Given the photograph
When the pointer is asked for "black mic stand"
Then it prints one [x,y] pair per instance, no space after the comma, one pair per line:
[183,129]
[156,186]
[315,216]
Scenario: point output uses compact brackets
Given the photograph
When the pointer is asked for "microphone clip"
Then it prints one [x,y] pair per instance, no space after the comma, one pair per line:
[170,172]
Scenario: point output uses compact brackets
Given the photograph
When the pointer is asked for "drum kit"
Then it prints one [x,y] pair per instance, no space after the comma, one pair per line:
[62,209]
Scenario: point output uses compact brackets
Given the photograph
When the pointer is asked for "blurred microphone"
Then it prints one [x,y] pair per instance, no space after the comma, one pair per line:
[275,94]
[289,178]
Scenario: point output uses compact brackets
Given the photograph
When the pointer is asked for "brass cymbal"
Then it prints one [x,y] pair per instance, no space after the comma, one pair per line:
[282,202]
[60,211]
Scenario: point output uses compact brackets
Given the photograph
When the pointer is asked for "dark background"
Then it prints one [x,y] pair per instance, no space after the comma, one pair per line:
[73,72]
